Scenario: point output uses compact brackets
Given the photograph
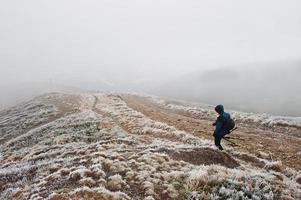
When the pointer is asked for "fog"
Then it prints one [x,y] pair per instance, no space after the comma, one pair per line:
[156,47]
[269,88]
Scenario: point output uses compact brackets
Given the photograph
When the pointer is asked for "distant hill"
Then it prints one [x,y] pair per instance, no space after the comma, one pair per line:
[263,88]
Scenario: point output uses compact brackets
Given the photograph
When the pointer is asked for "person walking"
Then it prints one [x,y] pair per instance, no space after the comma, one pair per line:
[223,125]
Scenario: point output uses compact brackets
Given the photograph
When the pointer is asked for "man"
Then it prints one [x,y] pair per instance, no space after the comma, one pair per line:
[219,124]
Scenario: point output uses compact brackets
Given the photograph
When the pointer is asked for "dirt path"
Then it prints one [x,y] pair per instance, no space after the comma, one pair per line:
[146,139]
[279,146]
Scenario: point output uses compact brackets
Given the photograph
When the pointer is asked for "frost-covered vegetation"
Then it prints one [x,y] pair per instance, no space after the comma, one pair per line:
[205,110]
[24,117]
[106,150]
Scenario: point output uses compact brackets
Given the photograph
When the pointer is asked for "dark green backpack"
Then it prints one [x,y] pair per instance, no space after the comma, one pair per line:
[228,124]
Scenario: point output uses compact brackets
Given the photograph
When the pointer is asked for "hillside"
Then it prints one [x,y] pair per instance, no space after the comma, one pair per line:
[128,146]
[258,87]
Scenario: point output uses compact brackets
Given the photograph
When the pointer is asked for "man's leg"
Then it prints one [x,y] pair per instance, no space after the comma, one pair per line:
[217,141]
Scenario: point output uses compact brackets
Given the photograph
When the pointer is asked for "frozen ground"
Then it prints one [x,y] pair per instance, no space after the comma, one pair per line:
[122,146]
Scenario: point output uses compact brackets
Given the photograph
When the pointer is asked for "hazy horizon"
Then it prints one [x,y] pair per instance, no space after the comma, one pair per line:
[138,45]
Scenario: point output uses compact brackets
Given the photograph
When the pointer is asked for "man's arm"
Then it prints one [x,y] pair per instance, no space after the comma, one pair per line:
[218,126]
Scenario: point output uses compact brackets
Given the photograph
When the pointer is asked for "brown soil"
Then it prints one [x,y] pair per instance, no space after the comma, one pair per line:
[251,160]
[202,156]
[283,146]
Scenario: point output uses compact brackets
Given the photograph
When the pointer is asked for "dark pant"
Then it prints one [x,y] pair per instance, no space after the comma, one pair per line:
[217,141]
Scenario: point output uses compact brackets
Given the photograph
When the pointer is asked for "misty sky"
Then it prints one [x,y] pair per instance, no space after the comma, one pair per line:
[141,40]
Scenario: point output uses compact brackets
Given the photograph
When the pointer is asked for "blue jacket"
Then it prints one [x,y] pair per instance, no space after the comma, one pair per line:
[219,131]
